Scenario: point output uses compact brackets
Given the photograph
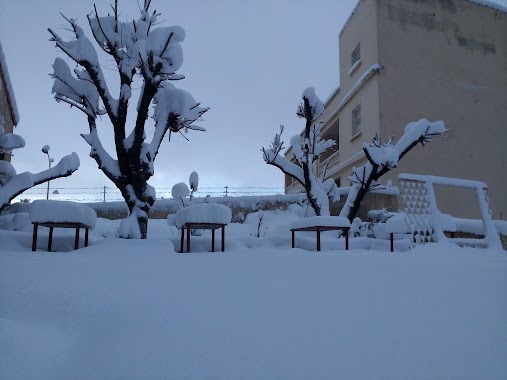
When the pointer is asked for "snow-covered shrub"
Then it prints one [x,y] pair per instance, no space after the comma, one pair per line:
[193,181]
[180,191]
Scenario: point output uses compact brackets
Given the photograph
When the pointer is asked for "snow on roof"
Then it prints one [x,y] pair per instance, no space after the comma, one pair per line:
[43,210]
[9,91]
[202,213]
[490,4]
[331,96]
[359,83]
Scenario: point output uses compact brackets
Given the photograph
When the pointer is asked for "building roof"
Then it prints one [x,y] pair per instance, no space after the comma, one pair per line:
[484,3]
[6,81]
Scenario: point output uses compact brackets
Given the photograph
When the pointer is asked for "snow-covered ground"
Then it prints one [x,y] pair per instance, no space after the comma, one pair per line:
[131,309]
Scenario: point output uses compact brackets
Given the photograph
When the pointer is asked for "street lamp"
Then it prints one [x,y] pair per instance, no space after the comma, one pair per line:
[45,150]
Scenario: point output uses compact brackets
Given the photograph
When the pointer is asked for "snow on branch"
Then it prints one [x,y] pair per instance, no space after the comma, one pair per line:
[175,109]
[106,163]
[81,51]
[384,157]
[9,141]
[272,157]
[24,181]
[79,93]
[306,150]
[315,106]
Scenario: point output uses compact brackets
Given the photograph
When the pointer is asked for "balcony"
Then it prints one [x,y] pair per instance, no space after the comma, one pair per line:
[331,161]
[294,188]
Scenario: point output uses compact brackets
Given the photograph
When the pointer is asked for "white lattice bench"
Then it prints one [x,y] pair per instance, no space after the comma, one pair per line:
[206,216]
[61,214]
[320,224]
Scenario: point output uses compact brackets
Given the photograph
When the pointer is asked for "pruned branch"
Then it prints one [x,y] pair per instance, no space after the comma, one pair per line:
[24,181]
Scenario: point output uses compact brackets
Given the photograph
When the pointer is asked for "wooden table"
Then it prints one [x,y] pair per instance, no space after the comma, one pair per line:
[53,225]
[320,229]
[202,226]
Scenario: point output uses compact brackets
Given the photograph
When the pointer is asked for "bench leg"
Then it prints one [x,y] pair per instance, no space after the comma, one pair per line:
[392,242]
[318,239]
[292,238]
[347,240]
[76,240]
[223,238]
[34,238]
[212,240]
[188,239]
[50,240]
[86,237]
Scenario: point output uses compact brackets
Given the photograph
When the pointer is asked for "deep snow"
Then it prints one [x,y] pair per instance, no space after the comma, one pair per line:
[131,309]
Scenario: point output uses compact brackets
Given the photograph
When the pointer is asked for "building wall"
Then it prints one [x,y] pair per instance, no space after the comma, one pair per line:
[447,60]
[361,29]
[6,113]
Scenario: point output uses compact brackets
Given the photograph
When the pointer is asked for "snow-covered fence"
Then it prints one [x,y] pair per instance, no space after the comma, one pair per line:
[111,194]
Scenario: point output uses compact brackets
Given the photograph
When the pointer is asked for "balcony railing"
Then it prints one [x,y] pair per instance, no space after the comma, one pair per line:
[294,188]
[329,162]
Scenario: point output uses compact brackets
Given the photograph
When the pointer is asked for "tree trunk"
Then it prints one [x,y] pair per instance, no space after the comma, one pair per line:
[139,204]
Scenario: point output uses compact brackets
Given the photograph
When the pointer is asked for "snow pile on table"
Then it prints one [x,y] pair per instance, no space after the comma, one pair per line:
[322,221]
[203,213]
[397,224]
[61,212]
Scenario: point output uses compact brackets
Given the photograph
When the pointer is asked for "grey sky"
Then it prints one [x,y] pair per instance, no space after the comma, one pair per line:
[249,61]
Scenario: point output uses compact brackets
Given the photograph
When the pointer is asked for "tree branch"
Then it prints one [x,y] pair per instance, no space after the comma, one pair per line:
[24,181]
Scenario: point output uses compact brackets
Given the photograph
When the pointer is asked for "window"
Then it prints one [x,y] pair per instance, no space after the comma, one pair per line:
[356,55]
[356,120]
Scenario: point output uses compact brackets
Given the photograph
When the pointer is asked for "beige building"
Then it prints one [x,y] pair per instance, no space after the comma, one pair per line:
[403,60]
[8,108]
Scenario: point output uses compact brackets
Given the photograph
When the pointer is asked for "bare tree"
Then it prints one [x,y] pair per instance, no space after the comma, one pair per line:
[153,55]
[305,151]
[12,184]
[384,157]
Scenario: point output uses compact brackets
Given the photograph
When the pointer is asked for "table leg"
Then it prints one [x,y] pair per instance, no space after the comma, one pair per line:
[292,238]
[346,239]
[223,238]
[212,240]
[86,237]
[182,238]
[76,240]
[188,238]
[318,239]
[392,242]
[50,240]
[34,238]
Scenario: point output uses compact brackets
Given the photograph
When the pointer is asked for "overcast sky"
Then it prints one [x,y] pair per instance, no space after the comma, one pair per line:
[249,61]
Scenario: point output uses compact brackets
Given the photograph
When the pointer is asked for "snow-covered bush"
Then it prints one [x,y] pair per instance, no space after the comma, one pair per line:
[193,181]
[140,50]
[180,191]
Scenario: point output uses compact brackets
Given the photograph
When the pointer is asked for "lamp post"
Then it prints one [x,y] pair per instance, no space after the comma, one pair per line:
[45,150]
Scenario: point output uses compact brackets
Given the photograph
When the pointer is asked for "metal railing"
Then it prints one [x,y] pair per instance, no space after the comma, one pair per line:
[329,162]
